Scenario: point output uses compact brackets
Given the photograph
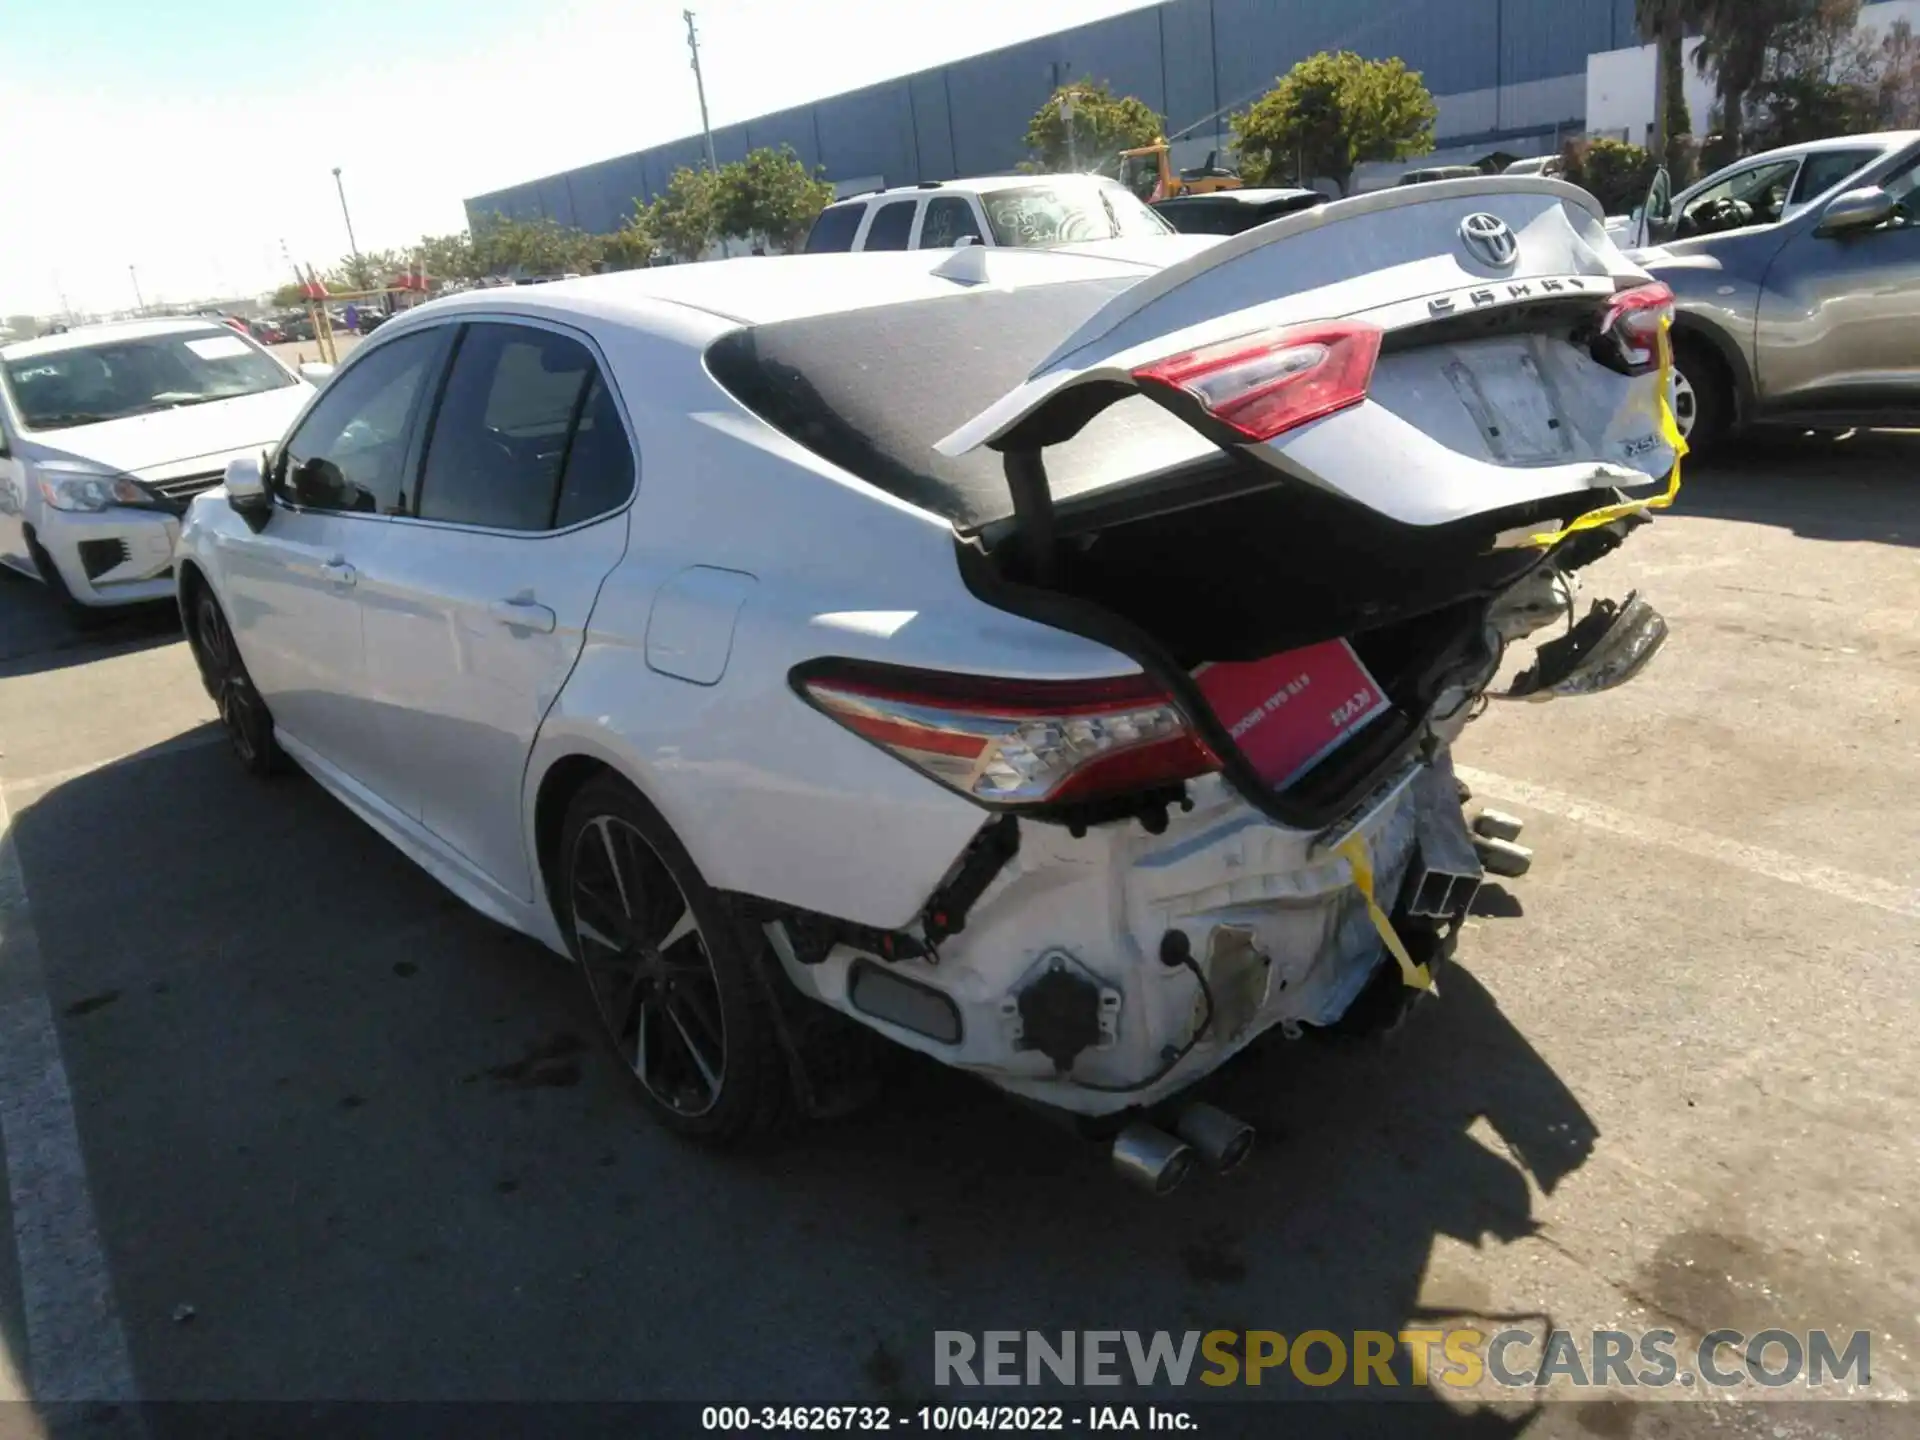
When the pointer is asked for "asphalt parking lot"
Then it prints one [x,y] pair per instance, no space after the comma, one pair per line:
[343,1139]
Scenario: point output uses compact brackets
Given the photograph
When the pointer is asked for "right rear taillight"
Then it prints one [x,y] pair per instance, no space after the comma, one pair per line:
[1629,335]
[1268,383]
[1015,742]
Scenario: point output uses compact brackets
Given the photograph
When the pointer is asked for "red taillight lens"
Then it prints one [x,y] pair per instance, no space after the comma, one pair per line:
[1265,384]
[1016,742]
[1629,336]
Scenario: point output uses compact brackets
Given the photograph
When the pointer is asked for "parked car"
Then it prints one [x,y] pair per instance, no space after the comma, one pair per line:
[107,433]
[1034,667]
[1017,210]
[267,331]
[1228,212]
[1551,166]
[1796,276]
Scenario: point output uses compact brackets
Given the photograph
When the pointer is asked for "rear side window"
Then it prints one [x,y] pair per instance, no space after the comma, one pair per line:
[1825,169]
[950,220]
[834,229]
[500,442]
[599,473]
[891,226]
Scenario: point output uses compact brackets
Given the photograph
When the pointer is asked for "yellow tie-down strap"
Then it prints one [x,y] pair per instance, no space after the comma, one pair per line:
[1669,431]
[1354,851]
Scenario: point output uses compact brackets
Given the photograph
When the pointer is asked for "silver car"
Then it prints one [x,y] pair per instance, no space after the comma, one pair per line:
[1796,278]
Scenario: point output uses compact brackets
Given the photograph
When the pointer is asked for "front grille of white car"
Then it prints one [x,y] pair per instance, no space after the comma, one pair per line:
[184,487]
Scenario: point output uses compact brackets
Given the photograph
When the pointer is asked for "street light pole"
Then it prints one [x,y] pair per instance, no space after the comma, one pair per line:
[352,244]
[139,299]
[706,130]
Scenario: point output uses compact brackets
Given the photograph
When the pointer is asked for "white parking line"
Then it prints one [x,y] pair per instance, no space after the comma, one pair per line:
[1773,864]
[75,1348]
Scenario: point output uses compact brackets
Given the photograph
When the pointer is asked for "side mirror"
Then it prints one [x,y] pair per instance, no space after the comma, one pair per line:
[247,491]
[315,372]
[1861,209]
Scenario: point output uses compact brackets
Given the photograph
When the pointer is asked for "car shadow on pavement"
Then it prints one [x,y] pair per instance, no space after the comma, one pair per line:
[37,633]
[366,1143]
[1861,486]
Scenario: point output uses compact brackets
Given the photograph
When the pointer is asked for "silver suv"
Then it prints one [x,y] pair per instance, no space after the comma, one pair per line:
[1796,279]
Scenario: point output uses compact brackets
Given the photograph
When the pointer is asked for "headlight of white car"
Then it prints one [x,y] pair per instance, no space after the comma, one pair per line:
[90,492]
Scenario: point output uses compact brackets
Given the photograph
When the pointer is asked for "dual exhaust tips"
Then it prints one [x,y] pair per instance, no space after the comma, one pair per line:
[1157,1161]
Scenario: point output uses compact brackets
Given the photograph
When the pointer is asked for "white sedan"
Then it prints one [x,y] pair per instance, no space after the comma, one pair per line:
[1047,660]
[107,432]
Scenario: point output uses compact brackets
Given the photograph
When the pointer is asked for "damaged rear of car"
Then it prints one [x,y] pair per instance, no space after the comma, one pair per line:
[1306,488]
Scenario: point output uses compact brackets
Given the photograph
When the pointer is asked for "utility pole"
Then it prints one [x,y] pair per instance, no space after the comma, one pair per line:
[140,300]
[1066,119]
[706,130]
[352,244]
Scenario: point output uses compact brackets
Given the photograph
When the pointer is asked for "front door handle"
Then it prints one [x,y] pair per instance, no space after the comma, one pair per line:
[523,612]
[339,574]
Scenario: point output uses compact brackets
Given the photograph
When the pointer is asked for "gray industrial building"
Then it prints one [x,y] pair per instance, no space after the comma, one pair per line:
[1505,73]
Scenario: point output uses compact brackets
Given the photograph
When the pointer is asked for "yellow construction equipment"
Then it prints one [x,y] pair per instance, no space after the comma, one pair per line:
[1148,171]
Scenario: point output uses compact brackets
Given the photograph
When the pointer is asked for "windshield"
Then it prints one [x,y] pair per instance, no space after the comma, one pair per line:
[1067,214]
[118,378]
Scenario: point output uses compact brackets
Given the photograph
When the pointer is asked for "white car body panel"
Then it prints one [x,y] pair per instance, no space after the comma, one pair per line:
[679,619]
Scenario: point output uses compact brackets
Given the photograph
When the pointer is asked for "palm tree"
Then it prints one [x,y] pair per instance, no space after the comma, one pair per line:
[1733,44]
[1663,22]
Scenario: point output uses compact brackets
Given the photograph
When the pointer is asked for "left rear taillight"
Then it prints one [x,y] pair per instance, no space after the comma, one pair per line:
[1014,742]
[1265,384]
[1629,336]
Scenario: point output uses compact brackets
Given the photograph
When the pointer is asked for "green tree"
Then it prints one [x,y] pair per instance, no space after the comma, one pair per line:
[1084,126]
[684,218]
[543,246]
[633,244]
[449,257]
[1617,174]
[369,270]
[1331,113]
[771,194]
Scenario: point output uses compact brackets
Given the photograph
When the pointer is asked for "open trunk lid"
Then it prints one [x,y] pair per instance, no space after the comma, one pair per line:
[1476,402]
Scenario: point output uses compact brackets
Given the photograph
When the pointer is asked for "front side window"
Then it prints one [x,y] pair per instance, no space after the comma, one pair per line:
[834,229]
[88,384]
[350,452]
[1754,196]
[1827,168]
[891,226]
[519,401]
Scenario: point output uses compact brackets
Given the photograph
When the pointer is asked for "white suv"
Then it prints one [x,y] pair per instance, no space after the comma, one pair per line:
[106,434]
[1020,210]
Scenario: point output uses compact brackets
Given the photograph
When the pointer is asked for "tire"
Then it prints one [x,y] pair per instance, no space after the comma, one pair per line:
[1703,402]
[243,714]
[670,970]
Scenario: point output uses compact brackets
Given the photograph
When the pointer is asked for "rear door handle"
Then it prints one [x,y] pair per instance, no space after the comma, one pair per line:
[339,573]
[524,613]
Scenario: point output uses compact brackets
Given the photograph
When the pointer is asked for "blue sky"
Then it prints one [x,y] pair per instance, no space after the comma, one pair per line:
[191,138]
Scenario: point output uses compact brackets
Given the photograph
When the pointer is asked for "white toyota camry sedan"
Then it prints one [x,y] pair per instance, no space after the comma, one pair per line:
[1046,660]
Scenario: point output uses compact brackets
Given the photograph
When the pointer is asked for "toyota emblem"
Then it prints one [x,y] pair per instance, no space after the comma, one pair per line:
[1488,239]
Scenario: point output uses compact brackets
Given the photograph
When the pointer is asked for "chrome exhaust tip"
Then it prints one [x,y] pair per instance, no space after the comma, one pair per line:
[1151,1158]
[1220,1139]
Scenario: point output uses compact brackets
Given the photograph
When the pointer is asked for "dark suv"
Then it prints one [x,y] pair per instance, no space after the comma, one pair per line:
[1228,212]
